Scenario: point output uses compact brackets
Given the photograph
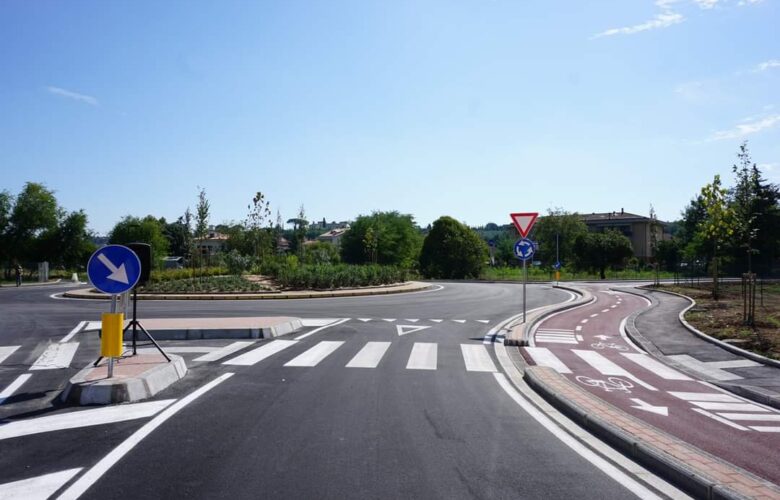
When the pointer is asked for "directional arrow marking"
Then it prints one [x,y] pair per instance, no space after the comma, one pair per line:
[404,329]
[641,405]
[117,273]
[603,337]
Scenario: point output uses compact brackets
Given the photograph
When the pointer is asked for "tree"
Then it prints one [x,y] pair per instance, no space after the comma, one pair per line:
[566,227]
[299,232]
[73,241]
[717,225]
[451,250]
[397,239]
[6,206]
[147,230]
[259,213]
[597,251]
[34,214]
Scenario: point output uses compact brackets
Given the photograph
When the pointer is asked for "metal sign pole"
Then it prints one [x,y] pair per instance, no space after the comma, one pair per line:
[525,278]
[111,358]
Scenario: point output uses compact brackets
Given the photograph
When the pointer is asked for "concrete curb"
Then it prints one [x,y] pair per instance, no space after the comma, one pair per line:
[278,330]
[694,480]
[27,285]
[518,333]
[112,391]
[410,286]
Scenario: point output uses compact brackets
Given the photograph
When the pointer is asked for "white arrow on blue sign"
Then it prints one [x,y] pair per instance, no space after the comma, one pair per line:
[524,249]
[114,269]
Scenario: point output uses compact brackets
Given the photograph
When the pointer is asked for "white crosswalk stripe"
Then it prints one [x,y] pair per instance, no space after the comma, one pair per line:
[544,357]
[608,368]
[369,356]
[476,358]
[14,386]
[423,356]
[314,355]
[655,366]
[223,352]
[554,336]
[256,355]
[56,356]
[726,407]
[7,350]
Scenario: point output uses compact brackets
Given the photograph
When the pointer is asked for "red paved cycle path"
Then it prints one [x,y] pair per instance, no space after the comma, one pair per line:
[604,363]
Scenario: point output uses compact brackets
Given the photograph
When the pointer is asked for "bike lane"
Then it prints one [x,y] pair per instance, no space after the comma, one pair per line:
[586,346]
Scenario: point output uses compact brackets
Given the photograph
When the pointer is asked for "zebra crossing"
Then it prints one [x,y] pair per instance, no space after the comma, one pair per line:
[555,336]
[422,356]
[736,412]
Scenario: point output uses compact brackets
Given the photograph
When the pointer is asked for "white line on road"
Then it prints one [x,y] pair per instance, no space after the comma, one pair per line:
[719,419]
[389,320]
[544,357]
[578,328]
[705,396]
[765,428]
[607,367]
[13,386]
[314,355]
[73,332]
[584,321]
[485,321]
[218,354]
[715,406]
[7,350]
[594,315]
[461,321]
[317,330]
[751,416]
[259,354]
[412,320]
[92,475]
[56,356]
[369,356]
[317,321]
[437,320]
[37,488]
[477,358]
[655,366]
[364,320]
[605,310]
[82,418]
[423,356]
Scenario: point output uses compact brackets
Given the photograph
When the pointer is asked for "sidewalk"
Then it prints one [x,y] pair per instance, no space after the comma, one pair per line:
[660,332]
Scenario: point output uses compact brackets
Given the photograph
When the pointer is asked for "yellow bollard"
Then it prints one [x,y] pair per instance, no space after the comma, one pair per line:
[111,340]
[557,276]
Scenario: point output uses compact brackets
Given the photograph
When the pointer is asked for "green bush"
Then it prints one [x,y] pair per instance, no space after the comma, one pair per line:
[236,263]
[178,274]
[326,277]
[452,251]
[210,284]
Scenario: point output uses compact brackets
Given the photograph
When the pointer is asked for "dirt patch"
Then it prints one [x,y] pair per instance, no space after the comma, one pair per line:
[723,319]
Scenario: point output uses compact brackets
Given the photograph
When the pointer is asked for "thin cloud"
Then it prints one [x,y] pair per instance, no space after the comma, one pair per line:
[772,63]
[747,128]
[661,20]
[73,95]
[742,3]
[706,4]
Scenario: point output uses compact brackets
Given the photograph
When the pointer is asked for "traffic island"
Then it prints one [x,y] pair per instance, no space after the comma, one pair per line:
[135,378]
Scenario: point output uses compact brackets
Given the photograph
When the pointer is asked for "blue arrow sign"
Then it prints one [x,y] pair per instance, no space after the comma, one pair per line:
[557,266]
[114,269]
[524,249]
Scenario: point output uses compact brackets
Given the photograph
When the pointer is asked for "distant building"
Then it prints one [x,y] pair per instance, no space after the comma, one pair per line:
[282,245]
[323,225]
[636,228]
[333,236]
[213,243]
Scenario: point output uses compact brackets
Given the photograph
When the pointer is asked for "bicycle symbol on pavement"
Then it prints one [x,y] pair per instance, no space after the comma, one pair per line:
[609,345]
[610,385]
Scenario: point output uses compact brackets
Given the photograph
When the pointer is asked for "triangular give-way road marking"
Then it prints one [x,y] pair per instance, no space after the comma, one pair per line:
[404,329]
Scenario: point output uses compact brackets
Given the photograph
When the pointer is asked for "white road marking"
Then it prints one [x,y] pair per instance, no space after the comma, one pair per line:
[719,419]
[612,307]
[412,320]
[548,340]
[424,356]
[605,311]
[93,325]
[578,328]
[181,349]
[461,321]
[766,417]
[584,321]
[313,355]
[708,371]
[705,396]
[594,315]
[554,330]
[544,357]
[82,418]
[56,356]
[735,363]
[318,321]
[645,406]
[218,354]
[655,366]
[404,329]
[259,354]
[96,472]
[485,321]
[389,320]
[709,405]
[7,350]
[37,488]
[437,320]
[364,320]
[13,386]
[73,332]
[607,367]
[765,428]
[318,330]
[579,337]
[369,356]
[477,358]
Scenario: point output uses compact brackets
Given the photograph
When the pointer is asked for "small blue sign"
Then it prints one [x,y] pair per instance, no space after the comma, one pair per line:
[524,249]
[557,265]
[491,243]
[114,269]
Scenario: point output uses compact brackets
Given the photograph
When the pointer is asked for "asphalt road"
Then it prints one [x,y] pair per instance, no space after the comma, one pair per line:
[424,416]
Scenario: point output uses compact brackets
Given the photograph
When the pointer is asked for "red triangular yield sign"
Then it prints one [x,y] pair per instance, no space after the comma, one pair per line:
[524,222]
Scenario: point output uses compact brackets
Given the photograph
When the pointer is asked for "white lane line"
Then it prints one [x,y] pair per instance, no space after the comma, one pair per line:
[605,311]
[729,406]
[544,357]
[369,356]
[751,416]
[96,472]
[655,366]
[224,351]
[765,428]
[736,363]
[554,330]
[545,340]
[73,332]
[56,356]
[476,358]
[37,488]
[313,355]
[389,320]
[584,321]
[364,320]
[705,396]
[93,325]
[437,320]
[423,356]
[603,465]
[181,349]
[412,320]
[719,419]
[13,387]
[555,335]
[612,307]
[485,321]
[259,354]
[82,418]
[461,321]
[7,350]
[318,321]
[578,328]
[594,315]
[579,337]
[607,367]
[318,330]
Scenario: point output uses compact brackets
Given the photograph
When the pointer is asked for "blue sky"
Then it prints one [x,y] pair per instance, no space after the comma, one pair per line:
[471,109]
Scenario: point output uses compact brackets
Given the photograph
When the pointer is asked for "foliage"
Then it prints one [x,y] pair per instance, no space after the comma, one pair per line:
[717,224]
[178,274]
[147,230]
[326,277]
[597,251]
[452,251]
[668,253]
[260,237]
[299,231]
[321,252]
[179,236]
[212,284]
[397,240]
[202,213]
[566,226]
[236,263]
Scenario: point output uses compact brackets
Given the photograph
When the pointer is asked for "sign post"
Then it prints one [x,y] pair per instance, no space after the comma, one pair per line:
[524,248]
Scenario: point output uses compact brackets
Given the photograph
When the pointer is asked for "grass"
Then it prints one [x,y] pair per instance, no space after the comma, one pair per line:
[538,274]
[723,318]
[209,284]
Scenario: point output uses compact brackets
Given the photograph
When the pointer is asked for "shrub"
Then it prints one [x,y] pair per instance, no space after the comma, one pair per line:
[452,251]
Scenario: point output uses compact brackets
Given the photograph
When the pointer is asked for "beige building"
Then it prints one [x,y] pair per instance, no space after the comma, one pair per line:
[636,228]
